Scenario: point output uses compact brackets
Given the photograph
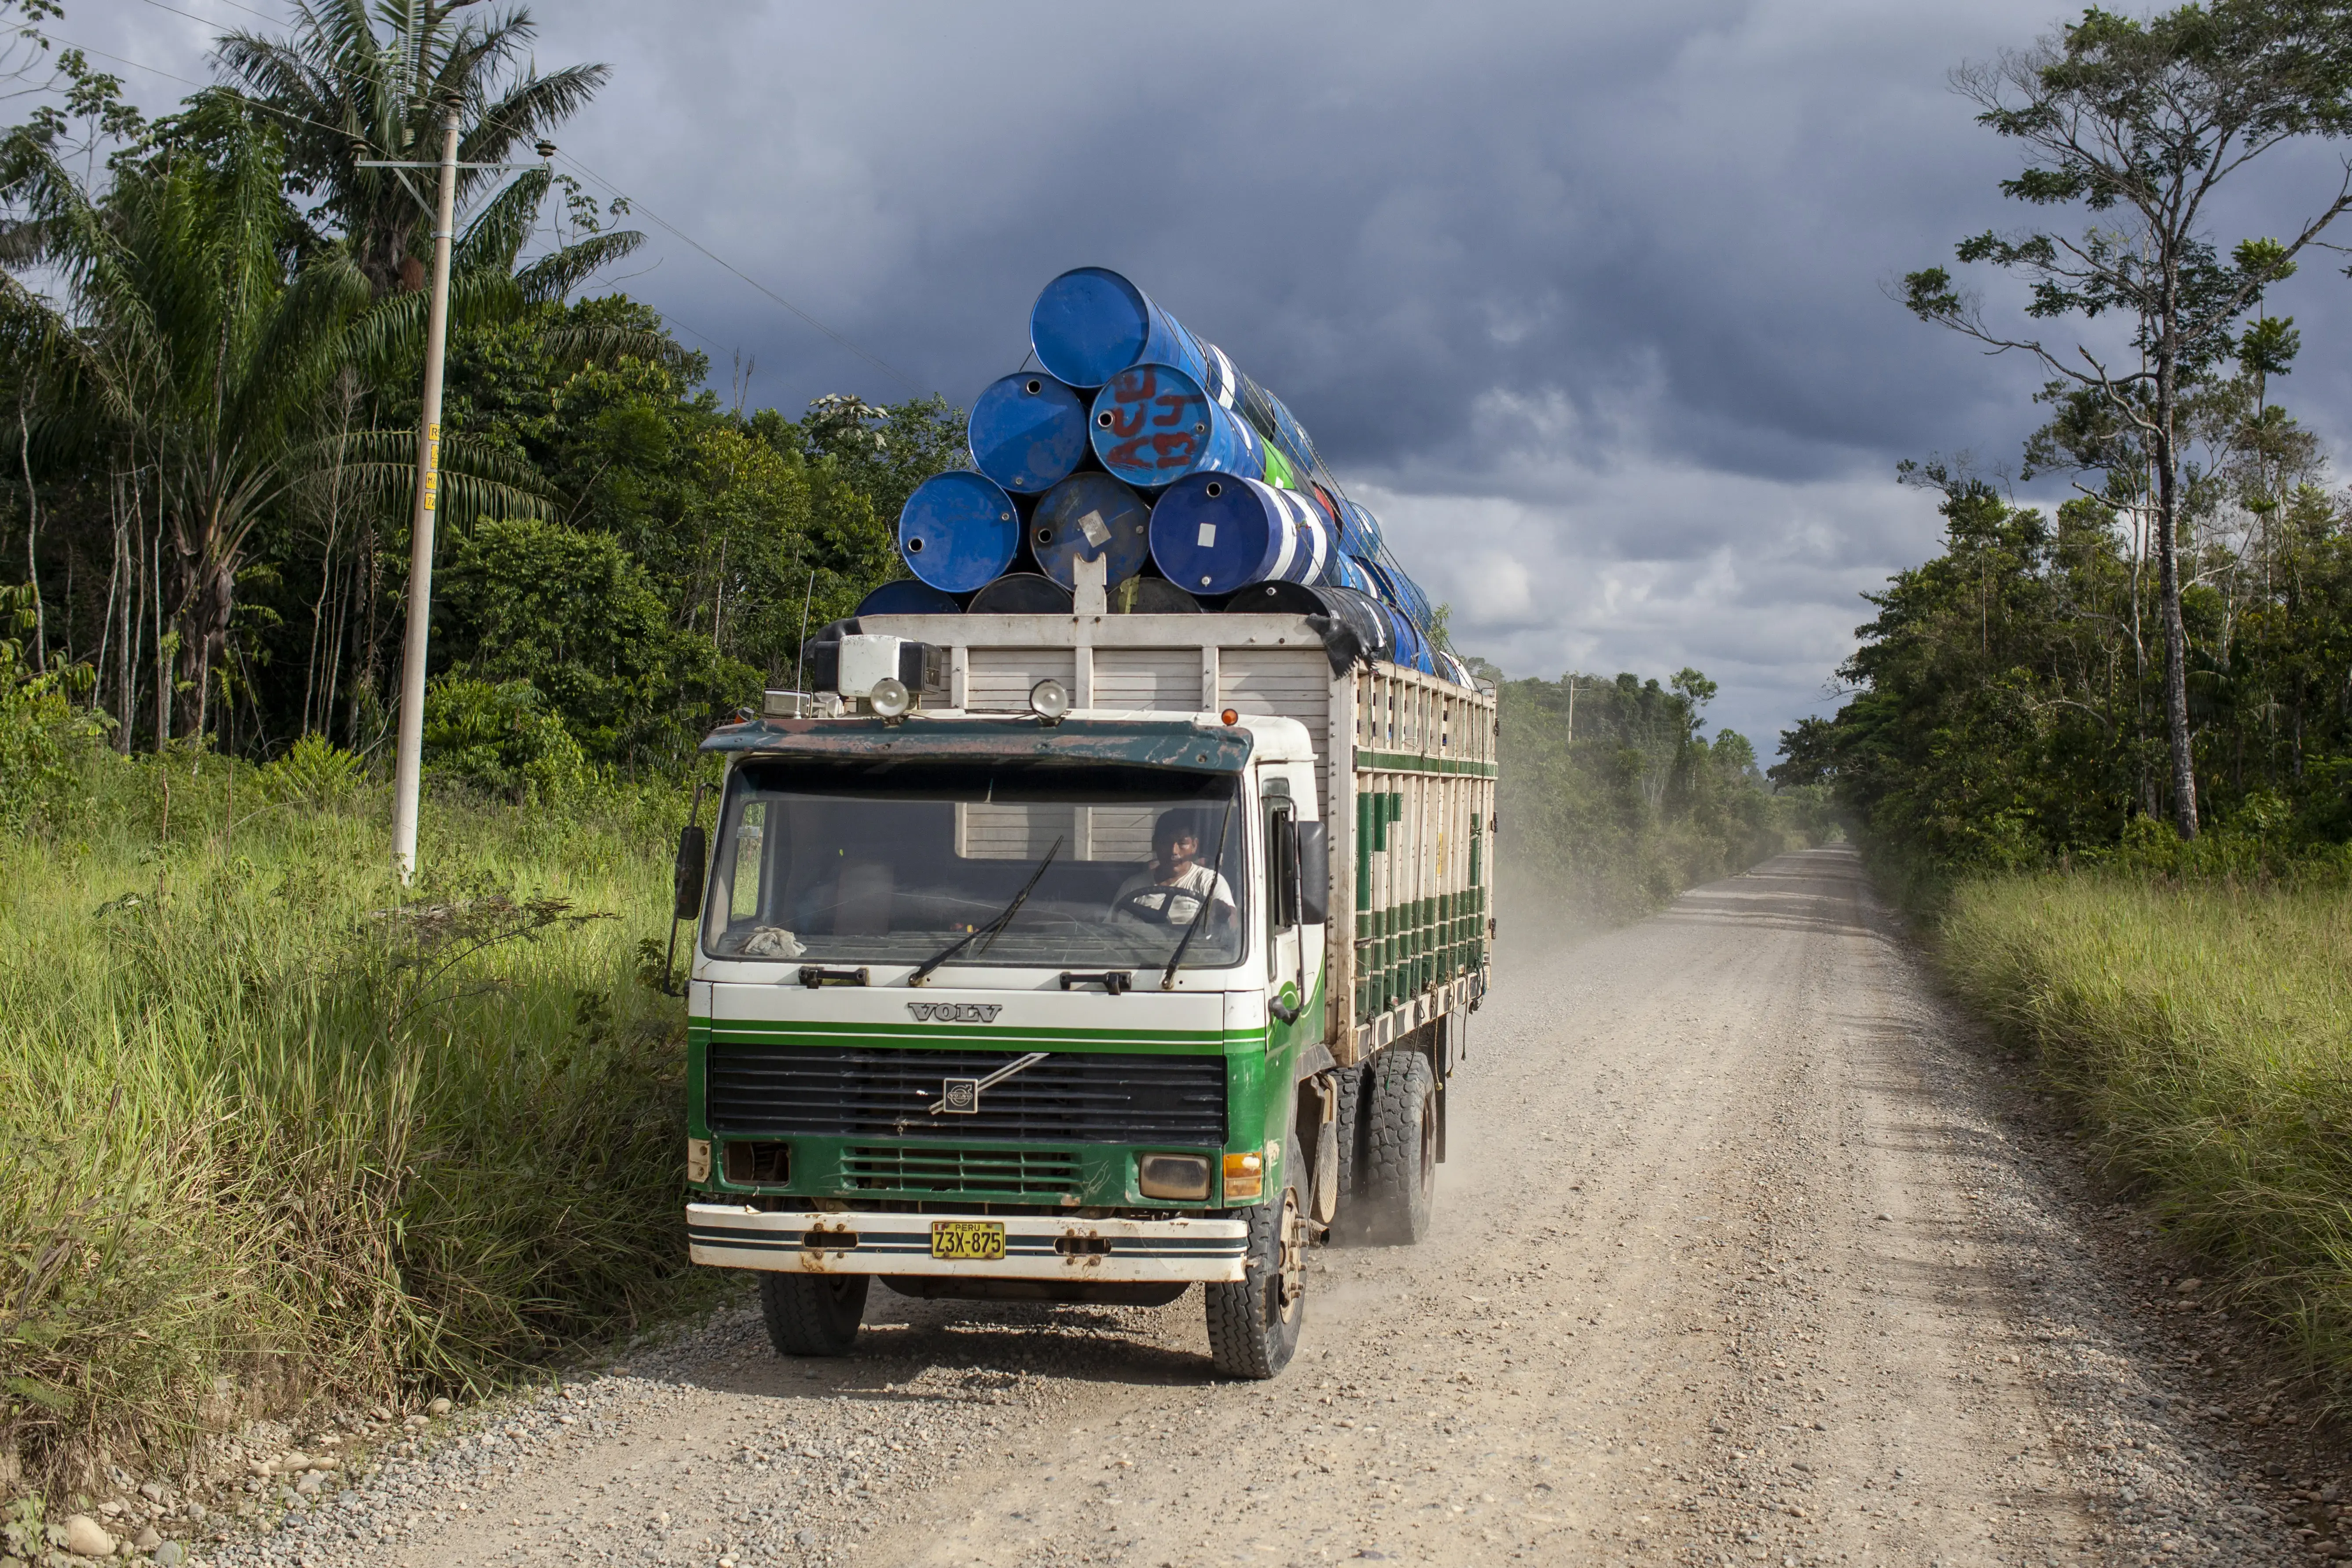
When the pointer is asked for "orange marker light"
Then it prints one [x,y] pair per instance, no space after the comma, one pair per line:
[1244,1176]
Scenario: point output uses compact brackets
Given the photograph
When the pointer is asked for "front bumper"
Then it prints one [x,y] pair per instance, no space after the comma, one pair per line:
[1072,1251]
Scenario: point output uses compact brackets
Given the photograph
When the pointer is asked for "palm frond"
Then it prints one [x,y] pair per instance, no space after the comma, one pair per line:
[602,345]
[499,231]
[474,479]
[552,277]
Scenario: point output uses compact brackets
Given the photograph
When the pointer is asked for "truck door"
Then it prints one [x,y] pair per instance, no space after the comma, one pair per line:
[1292,961]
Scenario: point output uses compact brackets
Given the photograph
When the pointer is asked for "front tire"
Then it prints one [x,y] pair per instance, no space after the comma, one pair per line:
[814,1314]
[1253,1322]
[1399,1176]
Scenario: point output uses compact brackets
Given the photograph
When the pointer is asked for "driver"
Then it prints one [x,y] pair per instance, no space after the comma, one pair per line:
[1177,875]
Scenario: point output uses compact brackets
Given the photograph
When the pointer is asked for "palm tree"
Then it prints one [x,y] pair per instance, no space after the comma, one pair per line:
[372,78]
[192,339]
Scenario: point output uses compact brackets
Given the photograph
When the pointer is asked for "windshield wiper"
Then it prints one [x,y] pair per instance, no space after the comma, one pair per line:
[1208,899]
[992,929]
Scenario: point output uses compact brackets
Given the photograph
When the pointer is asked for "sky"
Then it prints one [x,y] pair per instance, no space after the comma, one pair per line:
[1587,301]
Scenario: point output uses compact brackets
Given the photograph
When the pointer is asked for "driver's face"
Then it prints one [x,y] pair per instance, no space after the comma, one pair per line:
[1179,851]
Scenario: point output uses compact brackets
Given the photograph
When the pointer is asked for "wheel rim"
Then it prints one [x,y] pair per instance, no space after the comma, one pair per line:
[1290,1273]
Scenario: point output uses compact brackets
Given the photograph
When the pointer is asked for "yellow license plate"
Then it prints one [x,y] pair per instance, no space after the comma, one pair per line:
[969,1240]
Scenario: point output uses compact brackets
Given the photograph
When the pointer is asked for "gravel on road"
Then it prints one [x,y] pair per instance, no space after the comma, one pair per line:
[1748,1251]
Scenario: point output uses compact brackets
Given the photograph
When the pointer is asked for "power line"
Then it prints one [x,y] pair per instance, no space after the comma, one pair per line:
[207,21]
[636,205]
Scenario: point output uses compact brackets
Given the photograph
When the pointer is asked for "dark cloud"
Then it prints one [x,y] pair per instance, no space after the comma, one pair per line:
[1588,299]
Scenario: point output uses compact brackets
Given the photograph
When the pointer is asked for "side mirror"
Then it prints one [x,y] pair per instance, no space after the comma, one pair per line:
[685,878]
[1313,871]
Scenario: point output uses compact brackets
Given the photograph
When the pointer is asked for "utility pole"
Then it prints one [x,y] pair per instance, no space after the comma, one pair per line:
[408,773]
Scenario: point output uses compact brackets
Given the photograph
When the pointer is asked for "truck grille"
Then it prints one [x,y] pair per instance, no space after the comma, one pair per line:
[1071,1097]
[929,1168]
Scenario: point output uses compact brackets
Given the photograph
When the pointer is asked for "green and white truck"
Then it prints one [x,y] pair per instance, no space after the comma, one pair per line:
[1082,959]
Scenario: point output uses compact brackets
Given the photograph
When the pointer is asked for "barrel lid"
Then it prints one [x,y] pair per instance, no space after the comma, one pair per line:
[1027,431]
[958,530]
[1153,423]
[1086,517]
[1090,324]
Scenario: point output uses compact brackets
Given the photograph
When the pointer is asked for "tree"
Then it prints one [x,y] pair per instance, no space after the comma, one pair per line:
[372,78]
[192,344]
[2139,122]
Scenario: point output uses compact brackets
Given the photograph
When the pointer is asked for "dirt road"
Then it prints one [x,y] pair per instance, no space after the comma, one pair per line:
[1746,1254]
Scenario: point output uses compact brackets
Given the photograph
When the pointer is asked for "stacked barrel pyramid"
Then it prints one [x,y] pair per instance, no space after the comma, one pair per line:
[1142,446]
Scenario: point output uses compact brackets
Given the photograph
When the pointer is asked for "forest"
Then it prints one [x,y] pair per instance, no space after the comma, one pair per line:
[214,340]
[2100,744]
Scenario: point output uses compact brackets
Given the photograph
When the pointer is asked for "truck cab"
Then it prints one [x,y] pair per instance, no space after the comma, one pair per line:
[1017,1004]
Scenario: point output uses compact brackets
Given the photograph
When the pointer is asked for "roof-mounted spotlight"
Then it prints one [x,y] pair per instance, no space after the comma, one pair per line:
[889,699]
[1050,701]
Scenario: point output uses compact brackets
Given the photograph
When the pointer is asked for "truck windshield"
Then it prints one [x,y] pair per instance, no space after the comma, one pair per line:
[860,863]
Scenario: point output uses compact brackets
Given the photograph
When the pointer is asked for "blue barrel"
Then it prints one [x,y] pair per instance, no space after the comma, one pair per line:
[1410,598]
[1090,323]
[1454,671]
[1359,531]
[1343,572]
[959,530]
[1382,588]
[1410,650]
[1088,516]
[1027,431]
[1153,425]
[1212,534]
[908,596]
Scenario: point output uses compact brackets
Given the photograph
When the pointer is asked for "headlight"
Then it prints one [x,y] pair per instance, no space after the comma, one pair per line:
[1244,1176]
[1173,1176]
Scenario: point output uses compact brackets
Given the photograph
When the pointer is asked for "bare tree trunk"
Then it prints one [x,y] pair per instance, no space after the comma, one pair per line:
[32,533]
[326,567]
[126,540]
[2168,590]
[113,593]
[162,653]
[134,612]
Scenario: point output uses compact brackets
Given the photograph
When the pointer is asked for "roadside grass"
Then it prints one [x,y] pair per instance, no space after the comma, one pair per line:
[274,1130]
[2204,1029]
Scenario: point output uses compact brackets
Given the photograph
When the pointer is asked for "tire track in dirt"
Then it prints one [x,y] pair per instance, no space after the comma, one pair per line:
[1742,1256]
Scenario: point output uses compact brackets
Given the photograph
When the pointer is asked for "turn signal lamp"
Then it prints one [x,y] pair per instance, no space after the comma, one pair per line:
[1231,716]
[1244,1176]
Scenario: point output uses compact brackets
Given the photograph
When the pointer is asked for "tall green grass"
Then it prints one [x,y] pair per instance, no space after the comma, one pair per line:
[274,1129]
[2205,1029]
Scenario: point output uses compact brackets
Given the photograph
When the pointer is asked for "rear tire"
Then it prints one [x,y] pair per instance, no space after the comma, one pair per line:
[1348,1128]
[813,1314]
[1399,1177]
[1253,1322]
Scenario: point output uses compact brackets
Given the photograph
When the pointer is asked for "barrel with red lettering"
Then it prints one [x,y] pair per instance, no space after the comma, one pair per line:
[1153,425]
